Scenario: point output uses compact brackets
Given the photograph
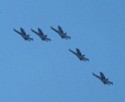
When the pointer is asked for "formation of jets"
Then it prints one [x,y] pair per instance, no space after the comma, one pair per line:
[42,35]
[103,78]
[63,35]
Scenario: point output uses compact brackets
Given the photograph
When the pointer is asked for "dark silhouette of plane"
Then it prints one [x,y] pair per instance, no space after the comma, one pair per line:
[79,55]
[61,33]
[23,34]
[41,35]
[103,78]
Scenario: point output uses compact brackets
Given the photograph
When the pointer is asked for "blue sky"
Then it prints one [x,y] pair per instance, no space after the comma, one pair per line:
[47,72]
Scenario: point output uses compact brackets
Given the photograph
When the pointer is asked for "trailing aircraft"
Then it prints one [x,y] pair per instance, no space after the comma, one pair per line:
[61,33]
[23,34]
[79,55]
[41,35]
[103,78]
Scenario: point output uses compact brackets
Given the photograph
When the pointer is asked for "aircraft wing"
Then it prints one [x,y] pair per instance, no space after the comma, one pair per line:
[78,51]
[23,31]
[18,32]
[40,31]
[60,29]
[34,31]
[96,76]
[102,75]
[54,29]
[73,52]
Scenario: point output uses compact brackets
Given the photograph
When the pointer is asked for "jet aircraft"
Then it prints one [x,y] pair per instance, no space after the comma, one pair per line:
[23,34]
[41,35]
[61,33]
[79,55]
[103,78]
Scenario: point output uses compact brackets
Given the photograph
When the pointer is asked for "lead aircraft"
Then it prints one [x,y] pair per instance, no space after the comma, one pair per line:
[79,55]
[61,33]
[103,78]
[41,35]
[23,34]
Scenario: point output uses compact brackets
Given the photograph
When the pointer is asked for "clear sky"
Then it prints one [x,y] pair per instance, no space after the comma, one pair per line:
[38,71]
